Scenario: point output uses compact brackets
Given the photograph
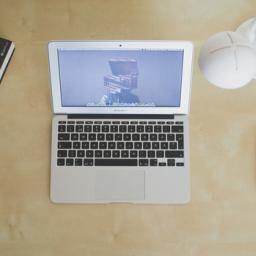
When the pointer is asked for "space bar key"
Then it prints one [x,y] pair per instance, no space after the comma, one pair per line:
[115,162]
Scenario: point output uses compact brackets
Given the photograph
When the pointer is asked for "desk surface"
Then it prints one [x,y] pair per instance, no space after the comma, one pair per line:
[221,218]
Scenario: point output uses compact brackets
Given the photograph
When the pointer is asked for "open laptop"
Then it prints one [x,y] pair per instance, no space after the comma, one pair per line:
[120,126]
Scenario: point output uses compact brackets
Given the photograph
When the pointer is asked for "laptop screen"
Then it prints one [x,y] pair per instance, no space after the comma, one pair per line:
[120,78]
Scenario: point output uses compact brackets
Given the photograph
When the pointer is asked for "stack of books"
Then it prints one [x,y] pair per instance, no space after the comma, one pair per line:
[6,50]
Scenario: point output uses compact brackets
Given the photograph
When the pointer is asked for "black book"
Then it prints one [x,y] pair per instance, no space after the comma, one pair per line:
[6,50]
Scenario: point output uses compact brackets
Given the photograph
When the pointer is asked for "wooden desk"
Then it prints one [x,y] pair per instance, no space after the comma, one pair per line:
[221,218]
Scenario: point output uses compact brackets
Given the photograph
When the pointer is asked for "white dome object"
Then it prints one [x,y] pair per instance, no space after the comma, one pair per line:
[228,60]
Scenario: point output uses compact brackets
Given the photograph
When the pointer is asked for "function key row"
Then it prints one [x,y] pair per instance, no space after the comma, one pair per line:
[118,122]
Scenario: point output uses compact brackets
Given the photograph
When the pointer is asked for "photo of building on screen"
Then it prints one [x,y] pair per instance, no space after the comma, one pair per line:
[120,84]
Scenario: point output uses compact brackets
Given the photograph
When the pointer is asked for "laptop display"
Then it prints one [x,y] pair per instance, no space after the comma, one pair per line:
[126,78]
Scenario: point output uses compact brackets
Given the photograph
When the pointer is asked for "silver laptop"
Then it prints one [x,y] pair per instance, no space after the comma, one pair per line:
[120,125]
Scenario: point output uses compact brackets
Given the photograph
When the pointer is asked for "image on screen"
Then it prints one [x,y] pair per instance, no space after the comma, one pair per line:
[120,78]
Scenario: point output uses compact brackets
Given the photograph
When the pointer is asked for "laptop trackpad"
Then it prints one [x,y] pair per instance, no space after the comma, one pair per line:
[119,185]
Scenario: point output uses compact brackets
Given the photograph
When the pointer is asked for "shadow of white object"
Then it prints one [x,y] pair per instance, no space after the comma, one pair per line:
[228,59]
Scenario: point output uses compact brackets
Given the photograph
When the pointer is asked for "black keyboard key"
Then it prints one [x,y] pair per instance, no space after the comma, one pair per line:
[173,145]
[105,128]
[62,122]
[162,136]
[97,122]
[133,154]
[74,136]
[143,162]
[162,164]
[171,162]
[101,136]
[83,136]
[87,128]
[114,128]
[151,154]
[103,145]
[79,128]
[174,154]
[80,153]
[63,136]
[146,145]
[92,136]
[143,122]
[85,145]
[96,128]
[179,164]
[62,153]
[94,145]
[64,145]
[161,122]
[177,128]
[120,145]
[166,128]
[149,128]
[98,153]
[131,128]
[79,122]
[70,128]
[109,136]
[140,128]
[118,136]
[153,137]
[115,153]
[129,145]
[78,162]
[160,154]
[107,153]
[153,162]
[106,122]
[125,122]
[72,153]
[76,145]
[71,122]
[61,128]
[142,153]
[122,128]
[144,137]
[157,128]
[89,153]
[69,162]
[111,145]
[170,137]
[116,162]
[155,145]
[137,145]
[88,162]
[179,137]
[152,122]
[164,145]
[127,136]
[135,136]
[134,122]
[124,153]
[115,122]
[181,144]
[60,161]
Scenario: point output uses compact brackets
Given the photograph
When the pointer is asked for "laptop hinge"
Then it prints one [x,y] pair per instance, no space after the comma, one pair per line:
[118,116]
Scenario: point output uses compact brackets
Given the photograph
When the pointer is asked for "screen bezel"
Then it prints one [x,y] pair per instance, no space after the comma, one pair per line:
[186,46]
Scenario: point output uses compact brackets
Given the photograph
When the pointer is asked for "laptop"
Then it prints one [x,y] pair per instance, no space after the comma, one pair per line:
[120,127]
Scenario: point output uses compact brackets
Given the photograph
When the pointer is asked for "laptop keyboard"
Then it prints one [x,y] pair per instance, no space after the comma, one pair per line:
[120,143]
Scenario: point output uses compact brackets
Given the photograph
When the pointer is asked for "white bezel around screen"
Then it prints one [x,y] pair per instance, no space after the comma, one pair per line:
[186,46]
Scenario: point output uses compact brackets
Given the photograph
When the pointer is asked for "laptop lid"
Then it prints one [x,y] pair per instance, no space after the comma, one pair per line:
[120,77]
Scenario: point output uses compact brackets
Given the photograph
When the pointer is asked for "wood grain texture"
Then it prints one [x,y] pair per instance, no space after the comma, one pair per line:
[221,218]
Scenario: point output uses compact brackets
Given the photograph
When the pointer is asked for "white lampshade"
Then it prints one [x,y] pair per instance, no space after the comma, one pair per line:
[228,60]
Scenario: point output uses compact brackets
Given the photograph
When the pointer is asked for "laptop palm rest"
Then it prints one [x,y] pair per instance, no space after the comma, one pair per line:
[119,185]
